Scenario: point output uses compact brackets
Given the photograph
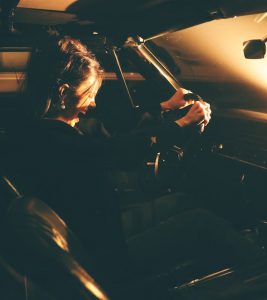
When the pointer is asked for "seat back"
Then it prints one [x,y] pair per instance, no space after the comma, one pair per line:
[38,243]
[8,193]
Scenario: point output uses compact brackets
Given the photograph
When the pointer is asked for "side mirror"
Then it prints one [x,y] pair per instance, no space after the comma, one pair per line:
[254,49]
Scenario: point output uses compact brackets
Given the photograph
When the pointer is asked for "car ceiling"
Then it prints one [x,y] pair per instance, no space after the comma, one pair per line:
[118,18]
[137,17]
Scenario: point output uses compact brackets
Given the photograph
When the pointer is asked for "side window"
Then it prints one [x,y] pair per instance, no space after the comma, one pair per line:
[13,61]
[113,104]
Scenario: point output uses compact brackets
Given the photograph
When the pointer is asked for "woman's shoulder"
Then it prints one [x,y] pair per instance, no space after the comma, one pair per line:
[55,126]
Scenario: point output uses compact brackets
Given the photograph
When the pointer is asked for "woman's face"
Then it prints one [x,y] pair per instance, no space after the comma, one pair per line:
[85,100]
[78,101]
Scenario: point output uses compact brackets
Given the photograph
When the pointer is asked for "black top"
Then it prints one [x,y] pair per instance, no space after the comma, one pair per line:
[62,163]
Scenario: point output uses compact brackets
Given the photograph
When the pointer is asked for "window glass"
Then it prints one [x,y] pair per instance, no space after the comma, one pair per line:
[209,59]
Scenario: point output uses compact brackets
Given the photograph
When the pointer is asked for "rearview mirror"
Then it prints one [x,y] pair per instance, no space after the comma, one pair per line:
[254,49]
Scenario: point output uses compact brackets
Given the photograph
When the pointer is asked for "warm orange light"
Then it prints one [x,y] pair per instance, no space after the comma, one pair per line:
[89,282]
[44,4]
[60,240]
[213,51]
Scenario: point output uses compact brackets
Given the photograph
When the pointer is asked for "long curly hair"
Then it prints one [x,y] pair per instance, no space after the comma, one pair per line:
[60,61]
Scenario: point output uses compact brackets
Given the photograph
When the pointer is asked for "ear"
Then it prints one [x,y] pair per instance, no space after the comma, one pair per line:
[63,89]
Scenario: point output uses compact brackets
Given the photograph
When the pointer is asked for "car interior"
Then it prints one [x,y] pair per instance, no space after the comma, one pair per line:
[147,49]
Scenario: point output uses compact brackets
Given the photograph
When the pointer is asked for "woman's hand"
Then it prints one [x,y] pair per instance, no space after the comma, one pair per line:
[199,113]
[176,101]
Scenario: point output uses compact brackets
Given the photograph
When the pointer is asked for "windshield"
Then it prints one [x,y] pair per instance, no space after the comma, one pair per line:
[209,59]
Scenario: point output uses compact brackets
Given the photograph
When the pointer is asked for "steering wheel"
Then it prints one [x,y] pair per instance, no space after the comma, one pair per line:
[166,164]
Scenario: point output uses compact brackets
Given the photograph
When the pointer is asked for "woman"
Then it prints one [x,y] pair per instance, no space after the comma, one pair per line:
[68,170]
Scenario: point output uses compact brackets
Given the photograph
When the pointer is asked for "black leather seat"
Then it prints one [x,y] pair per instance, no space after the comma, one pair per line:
[37,243]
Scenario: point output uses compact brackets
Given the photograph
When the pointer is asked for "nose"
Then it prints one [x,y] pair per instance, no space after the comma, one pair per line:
[92,103]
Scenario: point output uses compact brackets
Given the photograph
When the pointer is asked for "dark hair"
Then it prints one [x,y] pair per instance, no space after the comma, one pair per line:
[58,62]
